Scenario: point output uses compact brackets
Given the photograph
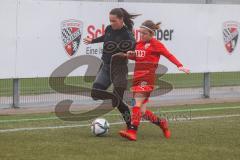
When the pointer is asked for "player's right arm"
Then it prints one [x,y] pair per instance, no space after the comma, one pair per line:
[96,40]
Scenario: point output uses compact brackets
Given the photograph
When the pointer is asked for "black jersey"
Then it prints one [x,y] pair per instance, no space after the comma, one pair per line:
[115,41]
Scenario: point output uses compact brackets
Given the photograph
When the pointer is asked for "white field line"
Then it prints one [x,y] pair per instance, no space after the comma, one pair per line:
[116,123]
[117,114]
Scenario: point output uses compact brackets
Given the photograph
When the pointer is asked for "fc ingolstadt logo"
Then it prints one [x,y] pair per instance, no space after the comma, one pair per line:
[71,31]
[230,35]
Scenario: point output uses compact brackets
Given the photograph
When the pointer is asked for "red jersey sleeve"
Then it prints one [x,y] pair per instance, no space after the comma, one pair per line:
[161,49]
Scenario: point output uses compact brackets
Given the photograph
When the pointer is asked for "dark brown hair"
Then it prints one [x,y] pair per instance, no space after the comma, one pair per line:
[151,25]
[127,17]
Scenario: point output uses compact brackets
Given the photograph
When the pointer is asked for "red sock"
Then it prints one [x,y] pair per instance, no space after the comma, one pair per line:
[145,101]
[149,115]
[136,117]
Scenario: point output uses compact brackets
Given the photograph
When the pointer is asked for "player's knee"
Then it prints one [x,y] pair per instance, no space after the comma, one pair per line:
[98,86]
[94,92]
[94,95]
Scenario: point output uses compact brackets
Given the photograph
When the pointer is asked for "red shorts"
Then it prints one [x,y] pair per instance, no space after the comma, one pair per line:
[143,82]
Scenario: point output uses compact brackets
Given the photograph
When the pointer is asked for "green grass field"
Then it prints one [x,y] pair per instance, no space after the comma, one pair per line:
[199,132]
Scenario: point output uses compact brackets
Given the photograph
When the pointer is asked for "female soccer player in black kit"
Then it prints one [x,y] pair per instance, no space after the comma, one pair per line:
[118,38]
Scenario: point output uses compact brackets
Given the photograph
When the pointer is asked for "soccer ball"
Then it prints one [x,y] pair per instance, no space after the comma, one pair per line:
[100,127]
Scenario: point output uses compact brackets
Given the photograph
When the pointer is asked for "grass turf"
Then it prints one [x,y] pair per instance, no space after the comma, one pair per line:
[213,139]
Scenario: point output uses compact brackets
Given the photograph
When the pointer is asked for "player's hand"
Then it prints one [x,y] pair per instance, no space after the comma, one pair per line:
[87,40]
[183,69]
[131,53]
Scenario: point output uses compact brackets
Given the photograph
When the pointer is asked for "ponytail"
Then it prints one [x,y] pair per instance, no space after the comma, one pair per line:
[127,19]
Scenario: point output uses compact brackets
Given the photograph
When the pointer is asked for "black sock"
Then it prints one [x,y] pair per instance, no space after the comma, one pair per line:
[122,107]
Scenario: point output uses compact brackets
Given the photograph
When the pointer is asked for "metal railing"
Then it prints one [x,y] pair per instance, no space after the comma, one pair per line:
[37,91]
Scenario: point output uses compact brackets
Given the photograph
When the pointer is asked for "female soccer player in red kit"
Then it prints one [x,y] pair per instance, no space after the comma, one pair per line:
[147,55]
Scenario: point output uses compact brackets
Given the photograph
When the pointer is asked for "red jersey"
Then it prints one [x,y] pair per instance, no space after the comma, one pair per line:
[147,58]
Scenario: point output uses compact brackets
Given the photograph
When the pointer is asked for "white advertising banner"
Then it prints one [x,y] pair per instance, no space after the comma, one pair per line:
[223,34]
[46,34]
[8,38]
[50,33]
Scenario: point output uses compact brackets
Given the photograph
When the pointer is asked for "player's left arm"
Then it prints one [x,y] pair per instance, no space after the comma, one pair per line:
[164,51]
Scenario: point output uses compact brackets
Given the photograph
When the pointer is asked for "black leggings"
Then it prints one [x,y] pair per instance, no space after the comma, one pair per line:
[116,74]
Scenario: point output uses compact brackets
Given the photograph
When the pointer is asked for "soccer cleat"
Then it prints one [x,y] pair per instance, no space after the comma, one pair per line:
[129,134]
[167,133]
[164,127]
